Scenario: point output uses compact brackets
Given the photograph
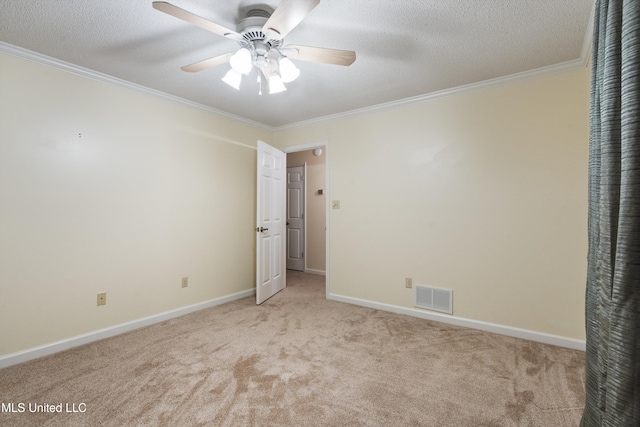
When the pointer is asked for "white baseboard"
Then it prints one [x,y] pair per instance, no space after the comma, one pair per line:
[318,272]
[467,323]
[33,353]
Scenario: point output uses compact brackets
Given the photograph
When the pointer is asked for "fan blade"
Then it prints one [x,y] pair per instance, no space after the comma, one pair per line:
[320,54]
[286,17]
[189,17]
[207,63]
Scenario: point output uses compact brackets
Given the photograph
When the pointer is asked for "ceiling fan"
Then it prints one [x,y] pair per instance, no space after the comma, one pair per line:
[260,34]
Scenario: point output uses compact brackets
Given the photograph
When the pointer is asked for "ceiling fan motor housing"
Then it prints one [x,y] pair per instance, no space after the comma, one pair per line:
[250,28]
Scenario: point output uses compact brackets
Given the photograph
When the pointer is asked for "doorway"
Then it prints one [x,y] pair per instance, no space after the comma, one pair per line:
[313,158]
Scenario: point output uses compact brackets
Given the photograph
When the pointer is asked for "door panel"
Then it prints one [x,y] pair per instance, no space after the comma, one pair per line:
[295,218]
[270,207]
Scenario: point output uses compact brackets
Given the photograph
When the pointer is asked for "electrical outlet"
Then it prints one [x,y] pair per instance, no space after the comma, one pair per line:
[185,282]
[408,282]
[102,298]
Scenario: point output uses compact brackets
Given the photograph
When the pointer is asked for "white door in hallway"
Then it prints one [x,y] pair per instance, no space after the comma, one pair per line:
[295,218]
[270,222]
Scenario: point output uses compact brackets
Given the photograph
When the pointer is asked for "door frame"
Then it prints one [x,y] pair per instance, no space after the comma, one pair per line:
[325,146]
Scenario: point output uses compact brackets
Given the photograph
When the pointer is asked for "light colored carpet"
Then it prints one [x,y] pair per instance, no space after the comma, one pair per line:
[300,360]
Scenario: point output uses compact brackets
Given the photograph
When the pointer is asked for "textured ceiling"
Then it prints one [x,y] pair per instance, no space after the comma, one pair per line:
[404,49]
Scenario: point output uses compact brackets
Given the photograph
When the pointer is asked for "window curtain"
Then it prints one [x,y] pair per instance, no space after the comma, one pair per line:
[613,276]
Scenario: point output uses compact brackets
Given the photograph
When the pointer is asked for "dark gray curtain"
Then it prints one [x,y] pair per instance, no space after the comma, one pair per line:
[613,278]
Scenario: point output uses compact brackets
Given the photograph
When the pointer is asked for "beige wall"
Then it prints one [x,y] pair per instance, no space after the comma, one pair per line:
[147,195]
[483,192]
[316,206]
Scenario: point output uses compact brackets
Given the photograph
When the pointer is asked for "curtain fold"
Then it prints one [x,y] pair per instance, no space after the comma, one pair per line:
[613,276]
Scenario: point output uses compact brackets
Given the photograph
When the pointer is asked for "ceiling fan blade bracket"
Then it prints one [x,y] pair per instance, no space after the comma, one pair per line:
[289,52]
[235,36]
[271,34]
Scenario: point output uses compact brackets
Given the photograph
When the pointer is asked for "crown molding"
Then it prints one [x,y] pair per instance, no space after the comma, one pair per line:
[105,78]
[539,72]
[582,62]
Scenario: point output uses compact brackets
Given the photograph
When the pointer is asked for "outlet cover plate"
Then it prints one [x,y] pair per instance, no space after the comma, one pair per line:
[102,298]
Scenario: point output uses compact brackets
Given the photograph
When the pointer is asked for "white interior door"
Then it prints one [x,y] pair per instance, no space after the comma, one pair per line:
[295,218]
[270,222]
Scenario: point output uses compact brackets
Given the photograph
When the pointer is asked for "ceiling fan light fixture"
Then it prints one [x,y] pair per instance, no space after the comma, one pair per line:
[233,79]
[276,85]
[260,34]
[288,71]
[241,61]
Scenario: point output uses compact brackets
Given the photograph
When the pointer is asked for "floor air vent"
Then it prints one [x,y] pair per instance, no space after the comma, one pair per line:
[434,298]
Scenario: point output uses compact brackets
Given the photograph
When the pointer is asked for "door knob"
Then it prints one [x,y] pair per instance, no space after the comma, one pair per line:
[261,229]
